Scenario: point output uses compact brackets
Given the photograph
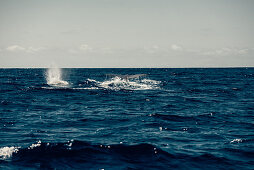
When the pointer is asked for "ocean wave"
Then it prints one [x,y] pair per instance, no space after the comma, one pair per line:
[236,141]
[79,154]
[76,154]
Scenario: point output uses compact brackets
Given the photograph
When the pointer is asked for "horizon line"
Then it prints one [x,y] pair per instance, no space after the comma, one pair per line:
[125,67]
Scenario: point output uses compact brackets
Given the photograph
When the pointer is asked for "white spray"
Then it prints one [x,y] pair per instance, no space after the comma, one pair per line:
[54,77]
[117,83]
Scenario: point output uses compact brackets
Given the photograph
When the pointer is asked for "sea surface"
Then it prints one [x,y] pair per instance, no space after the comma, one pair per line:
[109,119]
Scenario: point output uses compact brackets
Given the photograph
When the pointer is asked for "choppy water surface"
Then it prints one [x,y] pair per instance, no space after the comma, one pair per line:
[168,118]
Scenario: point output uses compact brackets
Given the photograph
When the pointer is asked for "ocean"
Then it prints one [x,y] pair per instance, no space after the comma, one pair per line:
[186,118]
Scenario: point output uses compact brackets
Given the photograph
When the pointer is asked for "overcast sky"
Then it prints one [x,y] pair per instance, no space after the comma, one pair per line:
[127,33]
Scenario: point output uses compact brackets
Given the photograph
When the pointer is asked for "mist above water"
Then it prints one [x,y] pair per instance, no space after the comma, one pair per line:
[54,77]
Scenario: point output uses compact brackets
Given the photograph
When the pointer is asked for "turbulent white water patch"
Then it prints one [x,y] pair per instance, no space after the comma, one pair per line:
[236,141]
[35,145]
[54,77]
[148,81]
[85,88]
[117,83]
[6,152]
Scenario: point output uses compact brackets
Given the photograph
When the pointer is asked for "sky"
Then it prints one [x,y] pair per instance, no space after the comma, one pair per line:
[126,33]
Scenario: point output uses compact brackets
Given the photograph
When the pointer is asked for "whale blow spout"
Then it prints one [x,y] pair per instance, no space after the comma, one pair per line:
[54,77]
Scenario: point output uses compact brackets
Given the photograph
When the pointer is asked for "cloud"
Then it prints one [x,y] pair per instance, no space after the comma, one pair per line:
[226,52]
[80,49]
[33,49]
[152,49]
[176,47]
[15,48]
[243,51]
[85,47]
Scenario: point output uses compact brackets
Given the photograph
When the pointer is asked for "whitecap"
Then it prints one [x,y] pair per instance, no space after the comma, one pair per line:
[6,152]
[236,141]
[85,88]
[35,145]
[148,81]
[117,83]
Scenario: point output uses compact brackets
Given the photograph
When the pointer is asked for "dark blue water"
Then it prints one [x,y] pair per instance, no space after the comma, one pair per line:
[86,119]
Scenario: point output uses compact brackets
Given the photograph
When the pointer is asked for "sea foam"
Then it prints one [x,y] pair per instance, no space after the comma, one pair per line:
[117,83]
[6,152]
